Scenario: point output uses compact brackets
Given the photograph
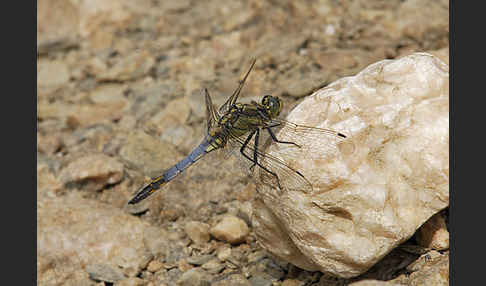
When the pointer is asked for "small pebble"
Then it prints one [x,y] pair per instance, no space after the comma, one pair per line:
[183,265]
[194,277]
[132,281]
[104,272]
[230,229]
[235,279]
[213,266]
[199,260]
[224,253]
[261,279]
[93,171]
[171,214]
[48,144]
[291,282]
[155,265]
[198,232]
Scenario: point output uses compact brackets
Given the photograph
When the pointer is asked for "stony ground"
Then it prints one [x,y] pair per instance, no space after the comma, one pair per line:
[119,100]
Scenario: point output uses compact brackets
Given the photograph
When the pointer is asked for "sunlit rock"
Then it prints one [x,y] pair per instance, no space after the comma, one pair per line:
[379,185]
[79,232]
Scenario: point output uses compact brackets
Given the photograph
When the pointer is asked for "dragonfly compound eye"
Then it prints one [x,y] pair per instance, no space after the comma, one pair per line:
[266,99]
[273,105]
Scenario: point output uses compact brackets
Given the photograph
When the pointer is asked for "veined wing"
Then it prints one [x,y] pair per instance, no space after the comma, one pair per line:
[211,114]
[314,142]
[232,99]
[288,177]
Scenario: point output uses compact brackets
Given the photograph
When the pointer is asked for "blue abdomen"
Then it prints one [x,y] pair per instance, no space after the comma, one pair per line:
[183,164]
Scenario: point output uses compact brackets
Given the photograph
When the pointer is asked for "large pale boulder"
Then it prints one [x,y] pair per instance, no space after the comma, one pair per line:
[375,188]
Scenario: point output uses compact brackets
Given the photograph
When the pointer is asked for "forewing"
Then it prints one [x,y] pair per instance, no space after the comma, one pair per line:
[314,142]
[211,115]
[234,97]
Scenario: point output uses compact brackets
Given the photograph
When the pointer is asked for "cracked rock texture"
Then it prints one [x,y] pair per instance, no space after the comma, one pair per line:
[380,185]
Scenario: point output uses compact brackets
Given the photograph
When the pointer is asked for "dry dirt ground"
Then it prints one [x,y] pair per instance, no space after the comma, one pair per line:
[119,100]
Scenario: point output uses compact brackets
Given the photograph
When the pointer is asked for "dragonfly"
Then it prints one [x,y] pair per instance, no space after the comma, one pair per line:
[238,126]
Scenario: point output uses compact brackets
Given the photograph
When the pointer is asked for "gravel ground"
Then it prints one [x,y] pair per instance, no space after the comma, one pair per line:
[119,100]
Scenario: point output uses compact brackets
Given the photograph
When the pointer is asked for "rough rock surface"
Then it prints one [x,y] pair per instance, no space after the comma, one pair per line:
[87,232]
[230,229]
[198,232]
[380,184]
[94,171]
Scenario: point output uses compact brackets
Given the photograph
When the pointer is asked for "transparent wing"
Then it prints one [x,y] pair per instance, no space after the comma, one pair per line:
[287,177]
[211,115]
[313,142]
[232,99]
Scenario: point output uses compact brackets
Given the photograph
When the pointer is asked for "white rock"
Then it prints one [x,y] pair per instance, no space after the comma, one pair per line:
[380,185]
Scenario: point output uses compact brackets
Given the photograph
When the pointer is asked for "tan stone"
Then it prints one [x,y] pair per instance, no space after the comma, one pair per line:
[93,171]
[57,24]
[155,265]
[198,232]
[230,229]
[83,232]
[47,184]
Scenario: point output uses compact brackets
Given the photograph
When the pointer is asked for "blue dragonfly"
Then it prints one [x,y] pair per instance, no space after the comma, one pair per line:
[238,126]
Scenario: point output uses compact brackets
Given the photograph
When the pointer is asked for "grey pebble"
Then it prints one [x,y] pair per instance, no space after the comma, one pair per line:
[261,279]
[199,260]
[104,272]
[194,277]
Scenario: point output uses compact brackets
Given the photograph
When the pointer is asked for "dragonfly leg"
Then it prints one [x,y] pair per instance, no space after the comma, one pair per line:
[274,138]
[255,155]
[242,149]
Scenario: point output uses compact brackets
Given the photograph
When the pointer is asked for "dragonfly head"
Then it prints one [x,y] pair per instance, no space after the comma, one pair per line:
[272,105]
